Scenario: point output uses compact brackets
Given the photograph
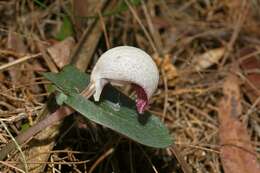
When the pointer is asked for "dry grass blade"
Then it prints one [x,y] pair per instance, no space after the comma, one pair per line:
[236,152]
[137,18]
[18,61]
[18,147]
[185,168]
[12,167]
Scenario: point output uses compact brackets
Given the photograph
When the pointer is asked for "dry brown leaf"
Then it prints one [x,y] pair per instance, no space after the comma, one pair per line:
[251,67]
[236,152]
[169,69]
[60,52]
[15,43]
[207,59]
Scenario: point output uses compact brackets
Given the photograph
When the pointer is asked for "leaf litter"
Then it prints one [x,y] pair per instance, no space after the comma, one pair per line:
[236,151]
[187,30]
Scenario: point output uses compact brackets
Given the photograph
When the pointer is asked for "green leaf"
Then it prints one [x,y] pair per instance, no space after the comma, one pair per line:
[69,80]
[51,88]
[115,110]
[66,29]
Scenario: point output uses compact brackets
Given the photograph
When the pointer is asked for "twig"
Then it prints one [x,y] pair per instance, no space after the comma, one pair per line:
[18,61]
[11,166]
[10,53]
[154,33]
[237,28]
[179,157]
[55,163]
[142,26]
[100,159]
[131,158]
[104,29]
[149,160]
[207,147]
[166,96]
[252,108]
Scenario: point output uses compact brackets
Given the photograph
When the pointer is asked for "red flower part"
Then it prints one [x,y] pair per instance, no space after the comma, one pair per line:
[142,100]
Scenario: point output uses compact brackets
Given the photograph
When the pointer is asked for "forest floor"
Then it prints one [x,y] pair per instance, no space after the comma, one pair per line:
[207,53]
